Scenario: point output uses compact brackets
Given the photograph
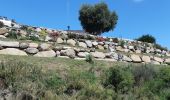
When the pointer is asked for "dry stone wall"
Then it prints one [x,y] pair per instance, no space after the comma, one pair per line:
[55,43]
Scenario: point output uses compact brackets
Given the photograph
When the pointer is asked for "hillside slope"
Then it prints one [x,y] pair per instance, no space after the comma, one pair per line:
[28,78]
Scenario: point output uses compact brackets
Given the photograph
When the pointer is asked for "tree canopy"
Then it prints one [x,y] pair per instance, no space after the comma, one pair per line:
[147,38]
[97,19]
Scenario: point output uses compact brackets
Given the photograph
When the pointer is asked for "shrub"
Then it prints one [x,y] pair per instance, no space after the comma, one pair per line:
[121,43]
[147,38]
[24,27]
[120,79]
[34,38]
[72,35]
[20,74]
[1,24]
[143,74]
[78,80]
[89,59]
[164,75]
[158,46]
[12,35]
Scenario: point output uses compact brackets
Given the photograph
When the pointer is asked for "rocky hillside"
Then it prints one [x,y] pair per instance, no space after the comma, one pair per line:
[44,42]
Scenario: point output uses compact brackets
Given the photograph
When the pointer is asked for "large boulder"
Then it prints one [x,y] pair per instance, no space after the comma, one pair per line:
[98,54]
[146,59]
[158,59]
[23,45]
[71,42]
[32,50]
[33,45]
[155,62]
[126,58]
[138,51]
[23,33]
[89,43]
[68,52]
[44,47]
[82,44]
[119,48]
[50,53]
[168,54]
[3,31]
[100,47]
[13,51]
[95,43]
[2,36]
[48,38]
[167,61]
[82,54]
[135,58]
[60,40]
[9,44]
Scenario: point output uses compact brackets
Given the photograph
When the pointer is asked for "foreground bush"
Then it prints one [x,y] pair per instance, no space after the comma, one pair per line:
[120,79]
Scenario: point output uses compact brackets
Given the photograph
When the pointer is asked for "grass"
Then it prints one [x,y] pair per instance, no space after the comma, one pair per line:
[68,79]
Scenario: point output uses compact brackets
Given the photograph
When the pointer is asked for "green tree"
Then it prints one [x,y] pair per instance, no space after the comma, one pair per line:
[147,38]
[97,19]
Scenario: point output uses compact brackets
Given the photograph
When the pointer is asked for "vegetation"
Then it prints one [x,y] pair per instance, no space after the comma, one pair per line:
[158,46]
[89,58]
[12,35]
[55,79]
[147,38]
[1,24]
[97,19]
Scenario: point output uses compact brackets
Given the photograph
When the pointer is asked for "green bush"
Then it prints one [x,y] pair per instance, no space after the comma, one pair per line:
[34,38]
[147,38]
[72,35]
[89,59]
[12,35]
[20,74]
[24,27]
[120,79]
[143,74]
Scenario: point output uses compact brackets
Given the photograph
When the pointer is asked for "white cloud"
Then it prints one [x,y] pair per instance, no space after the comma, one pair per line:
[138,0]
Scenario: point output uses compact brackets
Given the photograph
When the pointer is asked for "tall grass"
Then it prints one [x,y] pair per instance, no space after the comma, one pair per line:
[118,82]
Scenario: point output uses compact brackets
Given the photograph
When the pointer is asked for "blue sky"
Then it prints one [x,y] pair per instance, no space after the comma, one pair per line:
[136,17]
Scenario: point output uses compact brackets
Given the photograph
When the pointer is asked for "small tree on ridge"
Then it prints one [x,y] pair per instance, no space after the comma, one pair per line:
[97,19]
